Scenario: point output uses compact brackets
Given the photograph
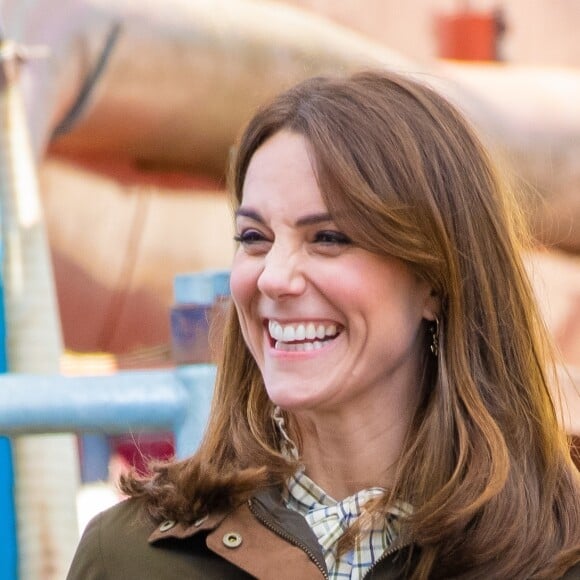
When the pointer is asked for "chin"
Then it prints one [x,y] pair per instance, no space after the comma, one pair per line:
[290,400]
[286,396]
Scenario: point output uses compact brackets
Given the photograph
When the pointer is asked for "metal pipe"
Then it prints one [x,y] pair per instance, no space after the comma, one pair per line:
[120,403]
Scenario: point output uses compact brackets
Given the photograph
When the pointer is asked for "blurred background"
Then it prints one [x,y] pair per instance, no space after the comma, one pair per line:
[132,127]
[129,110]
[132,156]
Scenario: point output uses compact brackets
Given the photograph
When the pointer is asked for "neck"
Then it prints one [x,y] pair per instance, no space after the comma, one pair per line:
[356,448]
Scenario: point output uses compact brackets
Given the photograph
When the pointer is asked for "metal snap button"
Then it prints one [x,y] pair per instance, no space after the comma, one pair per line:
[200,521]
[167,525]
[232,540]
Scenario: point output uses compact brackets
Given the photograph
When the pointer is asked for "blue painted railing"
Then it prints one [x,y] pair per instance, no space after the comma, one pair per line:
[176,399]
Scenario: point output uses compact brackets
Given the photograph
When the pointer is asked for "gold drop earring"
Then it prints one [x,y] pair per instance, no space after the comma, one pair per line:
[434,329]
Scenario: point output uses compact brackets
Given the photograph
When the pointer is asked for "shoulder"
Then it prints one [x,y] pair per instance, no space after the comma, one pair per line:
[128,517]
[112,540]
[128,520]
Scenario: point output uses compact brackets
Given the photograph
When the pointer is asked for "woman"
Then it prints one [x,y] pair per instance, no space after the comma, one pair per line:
[382,407]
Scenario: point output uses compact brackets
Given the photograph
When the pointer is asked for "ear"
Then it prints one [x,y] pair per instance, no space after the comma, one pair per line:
[432,306]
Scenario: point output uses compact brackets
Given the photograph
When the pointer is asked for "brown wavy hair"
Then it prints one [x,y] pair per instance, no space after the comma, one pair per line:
[486,465]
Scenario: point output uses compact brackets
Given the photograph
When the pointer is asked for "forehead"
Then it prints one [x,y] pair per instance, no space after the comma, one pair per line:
[281,176]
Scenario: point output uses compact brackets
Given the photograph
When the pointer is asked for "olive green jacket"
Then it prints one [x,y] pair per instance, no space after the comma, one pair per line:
[260,539]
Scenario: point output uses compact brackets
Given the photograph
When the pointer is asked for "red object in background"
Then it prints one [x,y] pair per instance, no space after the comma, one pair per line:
[139,450]
[469,35]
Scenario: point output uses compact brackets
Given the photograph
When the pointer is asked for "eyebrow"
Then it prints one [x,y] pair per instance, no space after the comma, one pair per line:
[307,220]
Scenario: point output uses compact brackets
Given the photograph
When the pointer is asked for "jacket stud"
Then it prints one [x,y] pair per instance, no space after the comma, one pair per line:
[167,525]
[200,521]
[232,540]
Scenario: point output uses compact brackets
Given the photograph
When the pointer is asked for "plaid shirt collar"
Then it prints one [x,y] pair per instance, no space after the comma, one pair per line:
[329,519]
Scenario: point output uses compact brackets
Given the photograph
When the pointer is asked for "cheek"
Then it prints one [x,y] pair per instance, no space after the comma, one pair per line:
[243,288]
[243,282]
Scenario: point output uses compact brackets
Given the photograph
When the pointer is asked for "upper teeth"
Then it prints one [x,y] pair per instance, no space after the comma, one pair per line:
[300,331]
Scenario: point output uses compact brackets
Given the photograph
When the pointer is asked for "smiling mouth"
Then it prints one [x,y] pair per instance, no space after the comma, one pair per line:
[301,336]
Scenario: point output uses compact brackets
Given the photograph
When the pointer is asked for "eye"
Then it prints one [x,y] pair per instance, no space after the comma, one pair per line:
[249,237]
[253,242]
[331,237]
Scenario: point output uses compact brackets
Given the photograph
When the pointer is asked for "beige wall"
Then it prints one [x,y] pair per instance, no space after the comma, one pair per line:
[541,32]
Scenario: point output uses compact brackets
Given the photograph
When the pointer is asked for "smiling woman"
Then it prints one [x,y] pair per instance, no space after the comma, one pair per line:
[381,408]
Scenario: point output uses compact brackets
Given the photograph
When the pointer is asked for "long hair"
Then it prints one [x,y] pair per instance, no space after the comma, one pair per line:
[486,465]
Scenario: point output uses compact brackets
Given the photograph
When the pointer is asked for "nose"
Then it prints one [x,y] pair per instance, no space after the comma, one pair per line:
[282,274]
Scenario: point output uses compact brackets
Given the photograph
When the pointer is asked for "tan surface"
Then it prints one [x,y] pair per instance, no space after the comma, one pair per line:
[115,258]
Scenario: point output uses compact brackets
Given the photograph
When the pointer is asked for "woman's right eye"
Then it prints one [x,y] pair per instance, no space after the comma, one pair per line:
[253,242]
[249,237]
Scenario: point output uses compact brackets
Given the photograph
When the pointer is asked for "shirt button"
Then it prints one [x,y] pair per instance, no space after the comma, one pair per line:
[232,540]
[167,525]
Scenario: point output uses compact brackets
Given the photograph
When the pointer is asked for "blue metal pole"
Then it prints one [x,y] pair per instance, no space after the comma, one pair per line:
[8,545]
[94,452]
[198,381]
[8,542]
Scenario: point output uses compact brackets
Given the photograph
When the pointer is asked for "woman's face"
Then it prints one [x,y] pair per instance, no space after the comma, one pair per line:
[328,323]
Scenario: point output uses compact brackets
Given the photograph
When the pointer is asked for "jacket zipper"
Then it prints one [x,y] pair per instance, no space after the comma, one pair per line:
[385,555]
[288,538]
